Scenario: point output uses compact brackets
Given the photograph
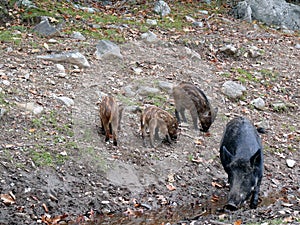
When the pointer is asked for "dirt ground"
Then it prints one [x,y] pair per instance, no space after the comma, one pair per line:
[87,181]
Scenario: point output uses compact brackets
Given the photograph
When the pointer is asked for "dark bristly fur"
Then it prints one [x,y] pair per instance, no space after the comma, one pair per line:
[110,116]
[158,119]
[190,97]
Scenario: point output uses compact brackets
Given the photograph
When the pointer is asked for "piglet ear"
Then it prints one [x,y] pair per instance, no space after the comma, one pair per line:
[255,160]
[226,155]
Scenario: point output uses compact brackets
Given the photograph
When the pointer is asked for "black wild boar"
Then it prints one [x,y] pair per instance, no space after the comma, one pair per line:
[158,119]
[241,154]
[190,97]
[110,116]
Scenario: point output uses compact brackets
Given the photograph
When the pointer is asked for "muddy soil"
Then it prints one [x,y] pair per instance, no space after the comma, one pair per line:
[88,181]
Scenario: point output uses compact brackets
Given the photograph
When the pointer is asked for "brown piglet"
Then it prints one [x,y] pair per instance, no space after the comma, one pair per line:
[110,116]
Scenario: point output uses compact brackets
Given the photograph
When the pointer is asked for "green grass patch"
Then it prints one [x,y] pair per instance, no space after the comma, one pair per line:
[9,36]
[41,157]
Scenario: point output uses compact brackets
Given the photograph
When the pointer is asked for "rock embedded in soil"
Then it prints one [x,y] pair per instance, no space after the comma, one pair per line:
[45,29]
[258,103]
[75,58]
[67,101]
[166,86]
[233,89]
[107,49]
[144,90]
[78,36]
[162,8]
[290,163]
[31,107]
[228,50]
[149,37]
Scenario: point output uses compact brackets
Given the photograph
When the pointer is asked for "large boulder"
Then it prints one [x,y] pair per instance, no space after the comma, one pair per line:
[271,12]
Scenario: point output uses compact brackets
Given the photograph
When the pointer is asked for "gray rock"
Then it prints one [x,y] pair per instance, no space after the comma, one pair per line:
[275,12]
[198,24]
[279,106]
[107,49]
[189,19]
[166,86]
[145,91]
[61,70]
[254,52]
[233,89]
[151,22]
[31,107]
[78,36]
[194,55]
[297,46]
[132,109]
[44,28]
[128,91]
[67,101]
[205,12]
[258,103]
[2,112]
[149,37]
[228,50]
[162,8]
[86,9]
[290,163]
[27,3]
[68,57]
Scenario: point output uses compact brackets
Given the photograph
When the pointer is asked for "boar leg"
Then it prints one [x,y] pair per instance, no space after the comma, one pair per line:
[153,128]
[102,128]
[254,197]
[194,115]
[180,112]
[114,127]
[143,133]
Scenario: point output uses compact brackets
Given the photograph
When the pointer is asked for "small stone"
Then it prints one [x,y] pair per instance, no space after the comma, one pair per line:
[69,57]
[290,163]
[233,89]
[198,24]
[31,107]
[2,112]
[205,12]
[78,36]
[166,86]
[151,22]
[128,91]
[228,49]
[162,8]
[107,49]
[144,90]
[297,46]
[149,36]
[67,101]
[137,70]
[189,19]
[6,82]
[45,29]
[258,103]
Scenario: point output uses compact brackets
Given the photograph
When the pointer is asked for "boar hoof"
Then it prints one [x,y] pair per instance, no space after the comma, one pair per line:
[253,206]
[115,143]
[231,206]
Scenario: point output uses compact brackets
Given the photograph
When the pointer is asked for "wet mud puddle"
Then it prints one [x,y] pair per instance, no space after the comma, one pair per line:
[175,214]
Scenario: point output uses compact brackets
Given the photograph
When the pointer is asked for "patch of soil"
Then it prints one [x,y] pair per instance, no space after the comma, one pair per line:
[181,183]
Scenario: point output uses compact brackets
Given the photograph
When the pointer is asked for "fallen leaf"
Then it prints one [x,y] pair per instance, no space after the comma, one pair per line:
[215,184]
[238,222]
[171,187]
[45,208]
[7,199]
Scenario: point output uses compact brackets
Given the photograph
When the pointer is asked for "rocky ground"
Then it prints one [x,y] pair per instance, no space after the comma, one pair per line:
[57,169]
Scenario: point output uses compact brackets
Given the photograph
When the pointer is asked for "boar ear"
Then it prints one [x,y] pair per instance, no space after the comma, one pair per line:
[255,160]
[226,154]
